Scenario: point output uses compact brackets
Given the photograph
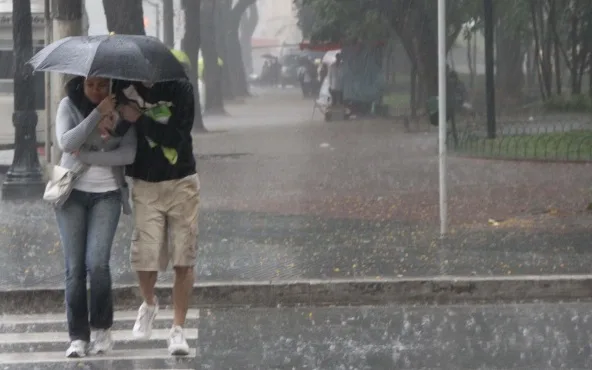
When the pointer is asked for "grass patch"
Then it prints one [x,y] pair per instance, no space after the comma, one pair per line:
[572,146]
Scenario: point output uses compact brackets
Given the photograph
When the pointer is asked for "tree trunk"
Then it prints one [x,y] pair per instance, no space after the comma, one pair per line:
[530,66]
[470,61]
[235,64]
[417,31]
[212,71]
[67,21]
[248,25]
[547,50]
[590,79]
[580,50]
[124,17]
[233,51]
[558,67]
[190,45]
[537,47]
[223,8]
[413,90]
[509,62]
[475,56]
[168,20]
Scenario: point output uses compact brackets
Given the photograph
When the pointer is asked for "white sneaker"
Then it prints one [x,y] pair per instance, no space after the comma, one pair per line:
[177,343]
[102,342]
[146,315]
[78,348]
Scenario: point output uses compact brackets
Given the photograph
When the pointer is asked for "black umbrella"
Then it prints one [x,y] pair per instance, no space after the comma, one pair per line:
[123,57]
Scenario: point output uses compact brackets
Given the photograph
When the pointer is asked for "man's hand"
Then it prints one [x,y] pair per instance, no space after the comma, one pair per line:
[130,112]
[106,124]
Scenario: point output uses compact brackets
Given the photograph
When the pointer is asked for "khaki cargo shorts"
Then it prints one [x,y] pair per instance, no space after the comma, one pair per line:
[165,223]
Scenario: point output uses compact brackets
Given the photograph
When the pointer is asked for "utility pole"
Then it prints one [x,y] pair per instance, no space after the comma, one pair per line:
[442,115]
[489,68]
[24,179]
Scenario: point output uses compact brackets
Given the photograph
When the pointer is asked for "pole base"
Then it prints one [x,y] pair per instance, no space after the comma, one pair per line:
[23,186]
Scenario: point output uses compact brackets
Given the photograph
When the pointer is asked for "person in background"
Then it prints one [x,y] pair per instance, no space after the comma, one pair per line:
[87,221]
[305,77]
[335,76]
[165,196]
[323,70]
[276,71]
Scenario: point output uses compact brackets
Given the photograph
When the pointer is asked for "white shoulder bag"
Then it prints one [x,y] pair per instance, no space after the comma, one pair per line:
[61,182]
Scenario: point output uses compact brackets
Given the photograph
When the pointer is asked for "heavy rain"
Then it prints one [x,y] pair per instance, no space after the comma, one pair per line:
[276,184]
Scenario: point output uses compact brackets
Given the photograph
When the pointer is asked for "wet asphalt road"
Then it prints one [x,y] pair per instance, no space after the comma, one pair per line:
[284,197]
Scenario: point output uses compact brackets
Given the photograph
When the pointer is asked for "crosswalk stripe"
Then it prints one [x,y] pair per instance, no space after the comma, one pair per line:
[118,336]
[58,357]
[47,337]
[61,317]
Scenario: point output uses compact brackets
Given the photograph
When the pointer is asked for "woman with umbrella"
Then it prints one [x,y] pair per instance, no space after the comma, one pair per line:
[88,218]
[96,149]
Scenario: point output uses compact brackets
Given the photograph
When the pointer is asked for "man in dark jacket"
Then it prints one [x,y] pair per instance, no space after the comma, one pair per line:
[165,194]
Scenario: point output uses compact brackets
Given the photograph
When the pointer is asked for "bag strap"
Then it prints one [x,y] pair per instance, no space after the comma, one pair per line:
[79,169]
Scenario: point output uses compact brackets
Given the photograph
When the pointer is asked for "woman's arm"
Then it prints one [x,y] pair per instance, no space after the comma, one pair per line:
[125,154]
[69,133]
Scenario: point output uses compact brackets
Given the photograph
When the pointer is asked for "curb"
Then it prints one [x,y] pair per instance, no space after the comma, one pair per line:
[436,290]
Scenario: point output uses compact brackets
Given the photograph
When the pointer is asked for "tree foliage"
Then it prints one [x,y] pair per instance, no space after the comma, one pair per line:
[549,35]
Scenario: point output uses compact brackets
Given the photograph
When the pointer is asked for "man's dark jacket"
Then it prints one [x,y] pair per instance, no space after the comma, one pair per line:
[150,164]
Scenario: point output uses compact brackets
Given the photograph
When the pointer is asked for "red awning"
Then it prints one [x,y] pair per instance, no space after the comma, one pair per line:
[305,45]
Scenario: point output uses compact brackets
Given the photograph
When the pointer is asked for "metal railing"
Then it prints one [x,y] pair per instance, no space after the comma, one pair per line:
[547,138]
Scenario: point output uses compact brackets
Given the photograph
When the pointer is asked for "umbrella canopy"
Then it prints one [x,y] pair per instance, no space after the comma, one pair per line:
[124,57]
[329,57]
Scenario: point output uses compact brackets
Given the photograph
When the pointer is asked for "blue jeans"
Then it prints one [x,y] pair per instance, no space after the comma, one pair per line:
[87,224]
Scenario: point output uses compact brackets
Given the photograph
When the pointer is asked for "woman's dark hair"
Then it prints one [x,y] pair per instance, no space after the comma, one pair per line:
[75,91]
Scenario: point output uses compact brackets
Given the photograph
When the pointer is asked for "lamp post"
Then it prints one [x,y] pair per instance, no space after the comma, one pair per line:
[24,179]
[157,9]
[489,68]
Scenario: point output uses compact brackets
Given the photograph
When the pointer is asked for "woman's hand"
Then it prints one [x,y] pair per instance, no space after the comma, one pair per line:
[107,106]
